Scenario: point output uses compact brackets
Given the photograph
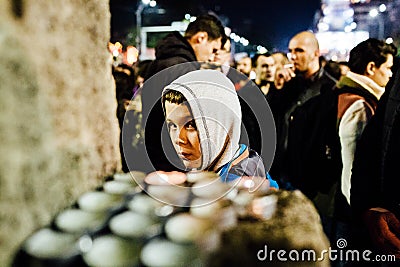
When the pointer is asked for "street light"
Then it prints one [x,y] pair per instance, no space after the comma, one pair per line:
[139,10]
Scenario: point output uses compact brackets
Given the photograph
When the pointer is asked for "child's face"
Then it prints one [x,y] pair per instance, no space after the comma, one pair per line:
[183,132]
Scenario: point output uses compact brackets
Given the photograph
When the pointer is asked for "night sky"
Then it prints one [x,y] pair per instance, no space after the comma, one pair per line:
[270,23]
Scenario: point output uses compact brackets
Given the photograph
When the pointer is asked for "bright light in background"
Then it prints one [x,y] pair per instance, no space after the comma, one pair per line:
[338,43]
[187,16]
[373,12]
[327,10]
[382,8]
[132,54]
[262,49]
[323,27]
[153,3]
[192,19]
[227,31]
[118,45]
[389,40]
[146,2]
[350,27]
[348,13]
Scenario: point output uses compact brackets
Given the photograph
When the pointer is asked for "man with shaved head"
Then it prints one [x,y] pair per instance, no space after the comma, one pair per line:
[304,53]
[303,81]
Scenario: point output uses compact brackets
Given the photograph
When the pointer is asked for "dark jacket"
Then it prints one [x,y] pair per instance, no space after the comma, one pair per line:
[375,175]
[173,49]
[284,102]
[174,57]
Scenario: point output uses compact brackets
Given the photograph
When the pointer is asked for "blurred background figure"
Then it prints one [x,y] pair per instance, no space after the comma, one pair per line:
[244,65]
[281,61]
[141,67]
[265,68]
[370,63]
[223,56]
[132,117]
[344,67]
[305,80]
[202,38]
[247,91]
[331,67]
[124,78]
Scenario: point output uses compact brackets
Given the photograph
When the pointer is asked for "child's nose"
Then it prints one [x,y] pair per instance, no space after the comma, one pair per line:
[181,137]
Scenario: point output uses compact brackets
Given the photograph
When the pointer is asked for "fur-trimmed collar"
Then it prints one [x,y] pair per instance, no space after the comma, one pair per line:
[363,82]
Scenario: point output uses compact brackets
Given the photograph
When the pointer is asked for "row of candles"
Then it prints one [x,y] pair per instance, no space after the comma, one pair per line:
[133,216]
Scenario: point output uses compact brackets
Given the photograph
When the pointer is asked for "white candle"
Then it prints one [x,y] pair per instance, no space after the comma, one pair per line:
[162,252]
[144,204]
[111,250]
[131,224]
[205,208]
[211,189]
[47,243]
[118,187]
[97,201]
[124,177]
[77,220]
[165,178]
[185,228]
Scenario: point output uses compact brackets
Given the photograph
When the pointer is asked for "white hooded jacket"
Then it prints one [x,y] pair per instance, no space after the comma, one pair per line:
[217,113]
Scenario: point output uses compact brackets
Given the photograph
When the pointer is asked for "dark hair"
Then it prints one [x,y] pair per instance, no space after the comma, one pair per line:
[206,23]
[333,68]
[256,56]
[174,97]
[370,50]
[224,39]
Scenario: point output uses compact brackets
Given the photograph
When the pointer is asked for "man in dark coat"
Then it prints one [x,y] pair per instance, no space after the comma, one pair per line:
[306,80]
[179,54]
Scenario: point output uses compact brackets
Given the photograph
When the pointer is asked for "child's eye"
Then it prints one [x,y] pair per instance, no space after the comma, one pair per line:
[171,126]
[191,125]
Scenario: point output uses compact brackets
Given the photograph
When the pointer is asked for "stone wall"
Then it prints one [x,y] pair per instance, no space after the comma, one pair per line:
[58,130]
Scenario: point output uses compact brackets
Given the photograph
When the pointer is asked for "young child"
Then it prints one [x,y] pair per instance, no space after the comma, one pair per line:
[203,117]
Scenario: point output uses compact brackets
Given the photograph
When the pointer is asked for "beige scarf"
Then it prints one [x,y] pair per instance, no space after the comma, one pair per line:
[361,81]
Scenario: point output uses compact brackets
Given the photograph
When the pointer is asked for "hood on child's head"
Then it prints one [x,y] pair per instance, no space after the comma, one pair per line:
[216,110]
